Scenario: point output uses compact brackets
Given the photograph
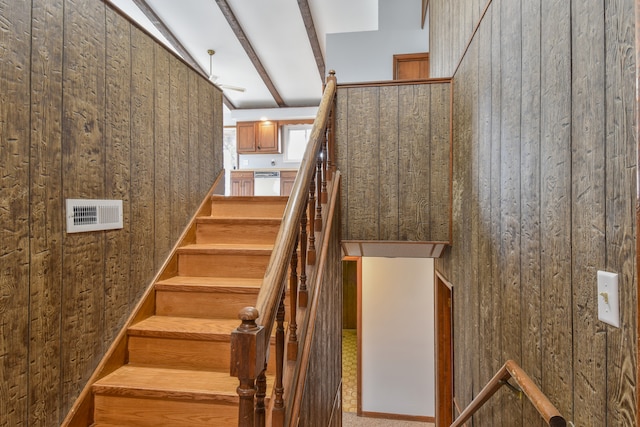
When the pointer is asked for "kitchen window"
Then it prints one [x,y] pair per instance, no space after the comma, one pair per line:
[295,142]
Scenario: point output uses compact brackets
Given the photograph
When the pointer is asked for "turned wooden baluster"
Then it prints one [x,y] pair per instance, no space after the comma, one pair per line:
[324,157]
[302,293]
[311,256]
[261,394]
[331,164]
[331,142]
[247,362]
[292,346]
[318,221]
[277,415]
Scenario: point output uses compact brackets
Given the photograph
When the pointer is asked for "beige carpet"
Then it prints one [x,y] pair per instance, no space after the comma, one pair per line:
[350,419]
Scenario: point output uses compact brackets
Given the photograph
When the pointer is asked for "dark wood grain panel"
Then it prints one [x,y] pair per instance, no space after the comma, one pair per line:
[588,212]
[510,197]
[142,162]
[83,162]
[495,145]
[45,249]
[206,137]
[486,251]
[389,164]
[118,170]
[193,145]
[179,145]
[68,134]
[218,129]
[362,137]
[14,213]
[621,193]
[439,171]
[342,153]
[530,242]
[555,201]
[162,100]
[414,159]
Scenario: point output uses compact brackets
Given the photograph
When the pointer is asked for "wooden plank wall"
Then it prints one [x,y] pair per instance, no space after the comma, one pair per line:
[544,185]
[86,110]
[322,399]
[393,145]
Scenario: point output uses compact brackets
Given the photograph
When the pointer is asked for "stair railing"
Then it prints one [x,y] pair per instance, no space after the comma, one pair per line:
[511,370]
[302,220]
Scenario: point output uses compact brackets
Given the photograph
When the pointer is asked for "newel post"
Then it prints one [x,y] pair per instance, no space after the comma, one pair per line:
[247,362]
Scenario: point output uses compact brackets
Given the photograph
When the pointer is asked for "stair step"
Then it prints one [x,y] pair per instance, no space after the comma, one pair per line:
[177,384]
[184,343]
[241,206]
[237,230]
[217,297]
[145,396]
[184,328]
[224,260]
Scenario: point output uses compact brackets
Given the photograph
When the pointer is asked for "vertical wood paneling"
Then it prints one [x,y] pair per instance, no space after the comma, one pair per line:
[118,169]
[495,227]
[206,137]
[414,160]
[438,170]
[588,213]
[45,185]
[179,145]
[83,162]
[621,191]
[511,84]
[162,165]
[193,143]
[555,201]
[530,198]
[72,132]
[389,164]
[485,250]
[363,207]
[14,213]
[342,153]
[556,147]
[142,161]
[393,147]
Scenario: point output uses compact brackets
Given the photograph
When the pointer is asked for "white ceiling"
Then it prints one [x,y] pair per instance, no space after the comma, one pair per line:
[276,31]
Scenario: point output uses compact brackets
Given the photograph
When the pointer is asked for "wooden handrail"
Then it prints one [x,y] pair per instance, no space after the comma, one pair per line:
[250,342]
[273,282]
[511,370]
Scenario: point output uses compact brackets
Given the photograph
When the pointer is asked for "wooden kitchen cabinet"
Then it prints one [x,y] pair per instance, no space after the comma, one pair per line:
[287,178]
[257,137]
[242,183]
[246,137]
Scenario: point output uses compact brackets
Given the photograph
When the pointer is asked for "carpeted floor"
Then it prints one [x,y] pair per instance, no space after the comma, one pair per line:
[350,392]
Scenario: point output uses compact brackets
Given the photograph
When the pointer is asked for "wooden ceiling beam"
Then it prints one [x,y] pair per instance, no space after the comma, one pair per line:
[307,18]
[248,48]
[166,32]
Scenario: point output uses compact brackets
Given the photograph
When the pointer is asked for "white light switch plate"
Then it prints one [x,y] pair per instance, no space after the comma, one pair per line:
[608,307]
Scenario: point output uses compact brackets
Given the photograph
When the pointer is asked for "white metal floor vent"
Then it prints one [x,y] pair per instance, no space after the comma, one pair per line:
[93,215]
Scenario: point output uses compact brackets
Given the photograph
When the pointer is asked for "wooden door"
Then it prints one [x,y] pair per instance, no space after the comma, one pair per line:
[444,351]
[411,66]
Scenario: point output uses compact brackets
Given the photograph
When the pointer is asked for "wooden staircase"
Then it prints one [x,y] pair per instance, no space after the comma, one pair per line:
[177,354]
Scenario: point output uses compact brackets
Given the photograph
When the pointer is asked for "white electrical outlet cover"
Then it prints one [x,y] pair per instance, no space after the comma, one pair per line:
[608,306]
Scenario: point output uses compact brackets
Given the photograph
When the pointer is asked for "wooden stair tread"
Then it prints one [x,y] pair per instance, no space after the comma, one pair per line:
[256,199]
[238,220]
[209,284]
[185,327]
[226,248]
[154,382]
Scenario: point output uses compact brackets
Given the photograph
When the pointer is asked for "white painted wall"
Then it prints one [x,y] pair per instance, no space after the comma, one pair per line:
[398,349]
[368,56]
